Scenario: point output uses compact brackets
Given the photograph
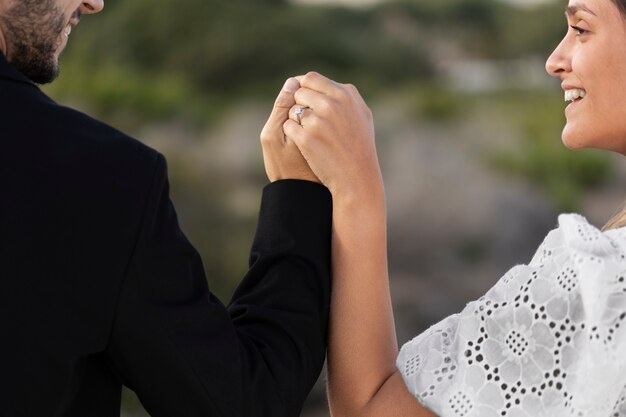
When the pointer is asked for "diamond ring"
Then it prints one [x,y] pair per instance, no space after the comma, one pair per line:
[298,112]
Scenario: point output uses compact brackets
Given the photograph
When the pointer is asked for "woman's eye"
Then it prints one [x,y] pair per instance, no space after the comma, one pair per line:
[578,30]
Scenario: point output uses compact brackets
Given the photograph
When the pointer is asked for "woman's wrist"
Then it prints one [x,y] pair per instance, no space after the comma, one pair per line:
[361,215]
[361,211]
[365,194]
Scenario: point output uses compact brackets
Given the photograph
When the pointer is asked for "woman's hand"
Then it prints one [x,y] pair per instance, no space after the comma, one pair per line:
[335,133]
[281,156]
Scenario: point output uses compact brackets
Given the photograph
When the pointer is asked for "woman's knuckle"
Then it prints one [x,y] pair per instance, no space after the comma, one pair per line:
[327,106]
[310,77]
[312,122]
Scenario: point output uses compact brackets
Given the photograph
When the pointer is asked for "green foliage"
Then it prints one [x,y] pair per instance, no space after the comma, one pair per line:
[145,60]
[438,104]
[544,160]
[529,31]
[117,88]
[564,175]
[472,250]
[226,48]
[167,58]
[487,28]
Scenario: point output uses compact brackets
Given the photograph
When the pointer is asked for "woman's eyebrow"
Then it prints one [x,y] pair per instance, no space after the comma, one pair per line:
[572,9]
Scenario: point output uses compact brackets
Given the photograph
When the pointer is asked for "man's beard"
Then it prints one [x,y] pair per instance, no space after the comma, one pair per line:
[32,33]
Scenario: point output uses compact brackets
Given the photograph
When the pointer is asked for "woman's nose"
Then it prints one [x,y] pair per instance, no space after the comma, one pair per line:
[559,61]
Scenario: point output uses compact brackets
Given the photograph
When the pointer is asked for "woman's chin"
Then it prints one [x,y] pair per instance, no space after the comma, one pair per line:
[570,143]
[572,139]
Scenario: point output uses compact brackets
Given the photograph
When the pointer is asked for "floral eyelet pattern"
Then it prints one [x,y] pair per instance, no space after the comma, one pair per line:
[547,340]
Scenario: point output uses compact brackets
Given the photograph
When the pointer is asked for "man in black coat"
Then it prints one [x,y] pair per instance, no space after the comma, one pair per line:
[99,286]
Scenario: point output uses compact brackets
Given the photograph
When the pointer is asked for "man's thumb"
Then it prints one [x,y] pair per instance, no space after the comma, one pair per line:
[280,113]
[285,99]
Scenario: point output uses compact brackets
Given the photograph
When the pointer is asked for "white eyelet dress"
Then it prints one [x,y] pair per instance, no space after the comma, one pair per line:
[547,340]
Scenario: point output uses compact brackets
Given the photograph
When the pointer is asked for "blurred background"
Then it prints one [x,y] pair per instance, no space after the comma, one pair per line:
[468,126]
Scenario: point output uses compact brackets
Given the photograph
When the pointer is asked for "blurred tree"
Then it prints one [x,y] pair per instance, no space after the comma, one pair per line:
[241,46]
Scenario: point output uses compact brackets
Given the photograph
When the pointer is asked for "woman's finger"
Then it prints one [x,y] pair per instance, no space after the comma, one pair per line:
[293,131]
[318,82]
[299,114]
[311,98]
[357,97]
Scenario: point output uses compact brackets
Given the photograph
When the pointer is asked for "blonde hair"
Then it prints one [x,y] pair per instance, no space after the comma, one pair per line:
[618,220]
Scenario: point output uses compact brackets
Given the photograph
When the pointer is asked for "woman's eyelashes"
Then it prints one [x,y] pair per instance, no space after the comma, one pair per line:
[578,30]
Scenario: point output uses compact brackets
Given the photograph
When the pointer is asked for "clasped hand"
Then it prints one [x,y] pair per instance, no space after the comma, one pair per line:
[331,141]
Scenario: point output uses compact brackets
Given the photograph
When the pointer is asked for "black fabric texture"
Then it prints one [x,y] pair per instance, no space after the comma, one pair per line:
[99,286]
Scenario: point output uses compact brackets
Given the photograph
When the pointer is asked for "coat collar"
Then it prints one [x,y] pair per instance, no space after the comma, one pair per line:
[8,71]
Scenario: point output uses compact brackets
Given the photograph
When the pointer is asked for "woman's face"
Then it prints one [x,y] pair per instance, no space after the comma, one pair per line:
[591,63]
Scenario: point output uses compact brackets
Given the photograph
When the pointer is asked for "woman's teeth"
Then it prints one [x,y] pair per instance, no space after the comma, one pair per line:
[68,30]
[574,94]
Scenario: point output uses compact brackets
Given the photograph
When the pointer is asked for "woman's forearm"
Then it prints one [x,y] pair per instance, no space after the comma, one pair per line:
[334,130]
[362,347]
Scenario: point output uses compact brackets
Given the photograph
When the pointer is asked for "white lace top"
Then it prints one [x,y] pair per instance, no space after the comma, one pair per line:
[547,340]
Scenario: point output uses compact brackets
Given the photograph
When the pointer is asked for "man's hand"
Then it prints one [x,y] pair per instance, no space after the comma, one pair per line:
[282,157]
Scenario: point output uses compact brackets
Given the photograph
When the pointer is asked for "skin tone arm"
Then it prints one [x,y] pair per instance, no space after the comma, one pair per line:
[281,157]
[336,137]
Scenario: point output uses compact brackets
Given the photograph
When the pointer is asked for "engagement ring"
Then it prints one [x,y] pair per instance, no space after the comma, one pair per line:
[298,113]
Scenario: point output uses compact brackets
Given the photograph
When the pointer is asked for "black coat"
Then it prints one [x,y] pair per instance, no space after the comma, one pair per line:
[99,286]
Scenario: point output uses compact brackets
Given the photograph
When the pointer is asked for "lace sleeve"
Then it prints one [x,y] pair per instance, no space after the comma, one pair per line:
[547,340]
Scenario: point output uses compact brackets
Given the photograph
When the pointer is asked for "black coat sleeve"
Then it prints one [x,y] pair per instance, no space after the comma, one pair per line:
[185,354]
